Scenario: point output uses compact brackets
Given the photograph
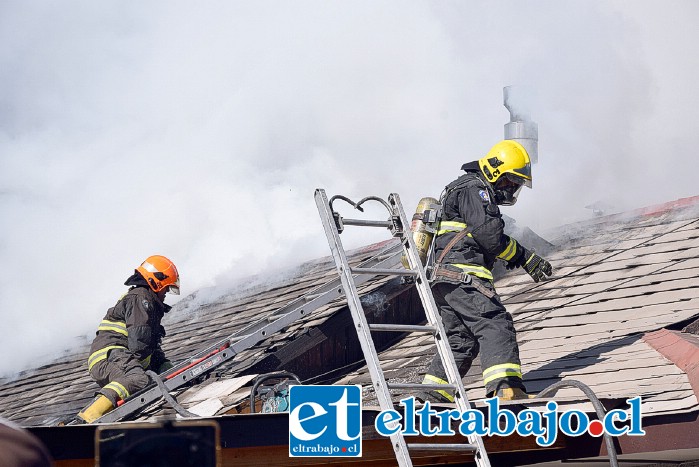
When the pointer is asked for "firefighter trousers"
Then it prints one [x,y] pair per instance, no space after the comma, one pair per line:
[476,323]
[119,375]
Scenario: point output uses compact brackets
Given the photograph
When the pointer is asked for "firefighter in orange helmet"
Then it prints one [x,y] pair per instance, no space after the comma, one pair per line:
[128,339]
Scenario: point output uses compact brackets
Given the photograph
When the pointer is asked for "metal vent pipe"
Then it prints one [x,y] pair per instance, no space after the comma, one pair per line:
[521,128]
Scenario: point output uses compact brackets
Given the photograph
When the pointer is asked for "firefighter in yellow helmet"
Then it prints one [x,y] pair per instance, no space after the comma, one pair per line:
[128,338]
[469,239]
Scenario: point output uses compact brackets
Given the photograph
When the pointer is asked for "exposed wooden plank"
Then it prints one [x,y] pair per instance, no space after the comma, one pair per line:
[216,389]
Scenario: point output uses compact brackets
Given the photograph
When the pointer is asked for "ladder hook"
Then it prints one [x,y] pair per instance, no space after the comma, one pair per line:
[375,198]
[344,198]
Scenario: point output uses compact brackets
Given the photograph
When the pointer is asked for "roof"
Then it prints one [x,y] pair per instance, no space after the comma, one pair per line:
[57,391]
[616,280]
[619,282]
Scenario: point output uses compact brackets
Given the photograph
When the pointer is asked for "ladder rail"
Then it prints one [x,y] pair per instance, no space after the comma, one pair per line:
[226,349]
[333,225]
[443,347]
[361,325]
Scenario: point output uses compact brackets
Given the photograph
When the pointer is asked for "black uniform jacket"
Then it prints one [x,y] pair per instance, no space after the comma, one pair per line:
[134,323]
[470,200]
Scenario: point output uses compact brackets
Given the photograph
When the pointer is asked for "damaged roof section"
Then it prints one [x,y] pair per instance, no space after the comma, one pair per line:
[56,392]
[617,279]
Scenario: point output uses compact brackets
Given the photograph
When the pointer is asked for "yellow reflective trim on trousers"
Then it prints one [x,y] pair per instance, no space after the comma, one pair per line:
[480,271]
[501,371]
[434,379]
[504,374]
[100,355]
[512,366]
[449,397]
[114,326]
[118,388]
[509,252]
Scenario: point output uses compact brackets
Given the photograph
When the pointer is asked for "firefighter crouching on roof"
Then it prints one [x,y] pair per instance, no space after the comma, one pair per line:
[128,338]
[469,239]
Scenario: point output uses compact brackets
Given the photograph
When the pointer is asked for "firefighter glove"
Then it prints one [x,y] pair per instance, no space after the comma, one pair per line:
[512,265]
[537,267]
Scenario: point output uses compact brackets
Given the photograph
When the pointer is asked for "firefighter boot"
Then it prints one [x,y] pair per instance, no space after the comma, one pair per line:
[507,393]
[100,406]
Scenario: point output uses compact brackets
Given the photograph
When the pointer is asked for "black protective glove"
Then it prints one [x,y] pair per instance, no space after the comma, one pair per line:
[512,265]
[536,266]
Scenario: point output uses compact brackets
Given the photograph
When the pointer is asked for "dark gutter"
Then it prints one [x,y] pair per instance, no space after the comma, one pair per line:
[267,435]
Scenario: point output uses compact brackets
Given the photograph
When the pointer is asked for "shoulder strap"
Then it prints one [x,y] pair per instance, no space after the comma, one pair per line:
[450,245]
[456,184]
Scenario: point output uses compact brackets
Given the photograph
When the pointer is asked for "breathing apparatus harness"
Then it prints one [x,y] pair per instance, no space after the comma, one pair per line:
[432,217]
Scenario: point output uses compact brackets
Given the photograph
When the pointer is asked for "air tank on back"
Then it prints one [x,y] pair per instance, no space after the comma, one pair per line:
[421,234]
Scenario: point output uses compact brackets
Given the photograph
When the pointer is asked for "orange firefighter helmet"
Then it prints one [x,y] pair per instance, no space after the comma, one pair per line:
[160,273]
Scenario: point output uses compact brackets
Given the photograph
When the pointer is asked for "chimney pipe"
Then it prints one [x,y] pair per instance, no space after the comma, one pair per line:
[521,128]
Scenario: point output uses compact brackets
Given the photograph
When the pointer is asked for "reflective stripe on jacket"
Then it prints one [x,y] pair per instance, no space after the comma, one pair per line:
[469,203]
[133,324]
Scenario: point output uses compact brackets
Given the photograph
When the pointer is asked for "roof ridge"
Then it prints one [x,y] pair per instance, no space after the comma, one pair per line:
[646,211]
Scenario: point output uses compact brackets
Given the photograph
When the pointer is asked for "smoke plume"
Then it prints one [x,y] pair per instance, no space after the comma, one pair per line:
[200,131]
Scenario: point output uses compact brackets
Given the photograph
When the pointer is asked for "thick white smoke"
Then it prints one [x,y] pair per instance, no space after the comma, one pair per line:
[201,131]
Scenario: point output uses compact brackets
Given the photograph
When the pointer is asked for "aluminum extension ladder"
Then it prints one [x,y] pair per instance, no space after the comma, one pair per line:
[334,225]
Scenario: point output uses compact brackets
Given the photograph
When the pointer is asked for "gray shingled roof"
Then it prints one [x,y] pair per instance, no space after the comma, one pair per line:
[617,278]
[57,391]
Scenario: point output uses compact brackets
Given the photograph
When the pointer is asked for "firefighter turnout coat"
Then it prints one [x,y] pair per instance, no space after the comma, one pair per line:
[474,318]
[128,343]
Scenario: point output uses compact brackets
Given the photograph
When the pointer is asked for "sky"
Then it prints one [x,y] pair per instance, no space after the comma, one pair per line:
[200,130]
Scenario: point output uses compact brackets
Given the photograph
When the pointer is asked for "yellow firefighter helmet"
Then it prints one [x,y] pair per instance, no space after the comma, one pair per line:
[507,167]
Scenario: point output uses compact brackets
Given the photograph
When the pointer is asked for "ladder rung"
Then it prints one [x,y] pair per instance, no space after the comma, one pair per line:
[364,223]
[402,328]
[436,387]
[397,224]
[442,447]
[384,272]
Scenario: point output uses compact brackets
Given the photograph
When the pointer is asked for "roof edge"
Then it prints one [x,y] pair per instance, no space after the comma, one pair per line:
[680,348]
